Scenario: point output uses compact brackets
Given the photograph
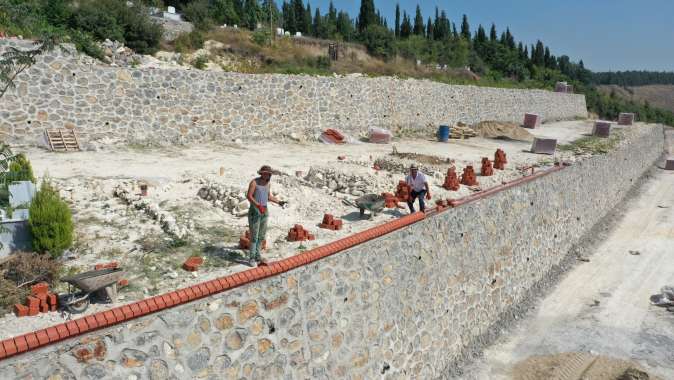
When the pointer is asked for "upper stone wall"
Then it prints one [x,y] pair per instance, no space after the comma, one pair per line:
[65,90]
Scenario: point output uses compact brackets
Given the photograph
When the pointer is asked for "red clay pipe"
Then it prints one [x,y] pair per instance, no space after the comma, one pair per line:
[499,188]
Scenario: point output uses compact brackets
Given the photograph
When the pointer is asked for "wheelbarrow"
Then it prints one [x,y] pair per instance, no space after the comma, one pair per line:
[374,203]
[102,282]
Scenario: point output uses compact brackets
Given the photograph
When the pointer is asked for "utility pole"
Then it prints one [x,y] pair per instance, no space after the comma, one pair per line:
[271,24]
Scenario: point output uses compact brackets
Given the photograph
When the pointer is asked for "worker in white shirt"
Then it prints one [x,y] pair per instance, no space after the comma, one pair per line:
[419,184]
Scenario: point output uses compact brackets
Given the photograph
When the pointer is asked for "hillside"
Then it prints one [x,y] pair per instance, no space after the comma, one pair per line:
[657,95]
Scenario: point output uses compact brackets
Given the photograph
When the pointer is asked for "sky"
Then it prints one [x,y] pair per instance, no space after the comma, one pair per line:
[605,34]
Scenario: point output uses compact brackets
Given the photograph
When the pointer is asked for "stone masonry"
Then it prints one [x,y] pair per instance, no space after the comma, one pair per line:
[402,306]
[64,91]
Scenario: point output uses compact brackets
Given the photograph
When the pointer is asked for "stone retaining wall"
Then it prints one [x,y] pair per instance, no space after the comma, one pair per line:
[64,91]
[402,306]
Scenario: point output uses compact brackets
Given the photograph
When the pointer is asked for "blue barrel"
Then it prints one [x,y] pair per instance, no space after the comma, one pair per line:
[443,133]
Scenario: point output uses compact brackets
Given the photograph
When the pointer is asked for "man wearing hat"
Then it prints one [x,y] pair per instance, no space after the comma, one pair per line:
[259,195]
[419,184]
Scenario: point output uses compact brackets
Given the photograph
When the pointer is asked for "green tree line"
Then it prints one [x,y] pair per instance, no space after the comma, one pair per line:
[633,78]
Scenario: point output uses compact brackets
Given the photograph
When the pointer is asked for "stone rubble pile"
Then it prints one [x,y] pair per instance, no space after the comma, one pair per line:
[167,221]
[116,54]
[401,165]
[227,198]
[354,184]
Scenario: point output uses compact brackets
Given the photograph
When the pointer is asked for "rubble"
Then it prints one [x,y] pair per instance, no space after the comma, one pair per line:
[165,219]
[226,198]
[353,184]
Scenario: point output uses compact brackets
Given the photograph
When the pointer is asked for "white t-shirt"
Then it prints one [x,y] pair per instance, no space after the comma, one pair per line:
[417,183]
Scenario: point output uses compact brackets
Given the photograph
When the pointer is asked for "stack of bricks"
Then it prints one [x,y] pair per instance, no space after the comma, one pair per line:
[298,233]
[244,241]
[112,265]
[500,159]
[333,136]
[602,129]
[40,300]
[330,223]
[468,177]
[531,120]
[403,192]
[451,180]
[390,200]
[192,264]
[625,118]
[486,170]
[441,204]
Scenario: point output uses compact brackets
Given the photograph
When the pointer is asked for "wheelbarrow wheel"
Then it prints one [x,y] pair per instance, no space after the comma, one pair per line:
[77,307]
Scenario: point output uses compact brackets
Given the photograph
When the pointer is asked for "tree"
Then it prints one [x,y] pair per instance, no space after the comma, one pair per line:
[198,13]
[50,222]
[429,29]
[465,28]
[379,41]
[406,27]
[397,25]
[418,22]
[538,57]
[492,33]
[367,15]
[345,26]
[306,20]
[224,12]
[251,14]
[289,20]
[15,61]
[317,27]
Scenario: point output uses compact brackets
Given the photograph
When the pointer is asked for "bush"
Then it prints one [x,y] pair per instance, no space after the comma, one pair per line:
[50,222]
[20,169]
[200,62]
[262,37]
[187,42]
[198,13]
[379,41]
[21,271]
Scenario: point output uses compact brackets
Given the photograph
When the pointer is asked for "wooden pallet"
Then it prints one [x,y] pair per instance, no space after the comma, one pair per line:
[62,140]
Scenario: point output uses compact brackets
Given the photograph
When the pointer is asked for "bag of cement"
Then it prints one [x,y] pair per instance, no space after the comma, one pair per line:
[379,136]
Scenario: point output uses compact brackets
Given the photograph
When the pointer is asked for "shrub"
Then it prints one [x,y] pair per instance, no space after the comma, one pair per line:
[189,41]
[50,222]
[262,37]
[198,13]
[200,62]
[20,169]
[21,271]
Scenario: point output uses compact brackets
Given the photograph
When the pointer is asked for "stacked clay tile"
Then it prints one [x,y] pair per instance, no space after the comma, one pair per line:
[330,223]
[500,159]
[298,233]
[451,180]
[486,170]
[244,241]
[334,136]
[390,200]
[403,192]
[468,177]
[40,300]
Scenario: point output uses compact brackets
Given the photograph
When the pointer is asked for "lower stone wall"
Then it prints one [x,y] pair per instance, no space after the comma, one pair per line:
[402,306]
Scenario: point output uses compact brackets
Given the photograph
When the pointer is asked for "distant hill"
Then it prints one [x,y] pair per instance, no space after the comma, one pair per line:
[657,95]
[633,78]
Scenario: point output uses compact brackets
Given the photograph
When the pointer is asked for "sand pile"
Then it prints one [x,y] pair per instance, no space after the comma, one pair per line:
[502,130]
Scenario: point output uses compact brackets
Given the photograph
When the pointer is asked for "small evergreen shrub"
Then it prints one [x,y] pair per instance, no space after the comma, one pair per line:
[50,222]
[20,169]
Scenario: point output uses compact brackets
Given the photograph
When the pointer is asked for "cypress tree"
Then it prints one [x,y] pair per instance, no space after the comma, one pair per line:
[406,26]
[465,28]
[454,32]
[418,22]
[307,20]
[251,14]
[397,26]
[429,29]
[317,27]
[492,33]
[367,15]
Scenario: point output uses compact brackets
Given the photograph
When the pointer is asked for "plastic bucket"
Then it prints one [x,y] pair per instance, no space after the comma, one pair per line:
[443,133]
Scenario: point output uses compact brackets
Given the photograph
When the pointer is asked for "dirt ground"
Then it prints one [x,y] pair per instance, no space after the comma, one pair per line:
[602,307]
[311,179]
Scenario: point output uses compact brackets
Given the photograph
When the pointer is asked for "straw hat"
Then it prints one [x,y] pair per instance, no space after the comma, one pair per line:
[414,167]
[265,169]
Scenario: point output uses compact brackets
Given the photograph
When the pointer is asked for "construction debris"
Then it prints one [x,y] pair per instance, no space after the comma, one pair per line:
[379,136]
[665,298]
[502,130]
[332,136]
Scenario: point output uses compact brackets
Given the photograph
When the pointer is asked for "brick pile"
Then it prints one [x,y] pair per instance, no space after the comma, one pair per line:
[333,136]
[625,118]
[40,300]
[451,180]
[244,241]
[602,129]
[403,192]
[112,265]
[192,264]
[330,223]
[298,233]
[487,169]
[390,200]
[531,120]
[441,204]
[500,159]
[468,177]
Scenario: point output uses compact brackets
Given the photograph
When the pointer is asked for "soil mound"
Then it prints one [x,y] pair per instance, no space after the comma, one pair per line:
[502,130]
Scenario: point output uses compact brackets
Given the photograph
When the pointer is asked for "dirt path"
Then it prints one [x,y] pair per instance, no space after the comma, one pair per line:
[602,307]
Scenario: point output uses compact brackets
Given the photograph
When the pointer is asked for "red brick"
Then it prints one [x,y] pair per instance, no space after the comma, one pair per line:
[31,340]
[33,302]
[128,313]
[135,309]
[110,265]
[182,295]
[191,294]
[21,344]
[20,310]
[109,317]
[52,334]
[62,330]
[91,322]
[122,283]
[209,287]
[44,308]
[217,286]
[175,300]
[10,346]
[39,288]
[3,354]
[144,307]
[100,319]
[82,325]
[42,337]
[72,328]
